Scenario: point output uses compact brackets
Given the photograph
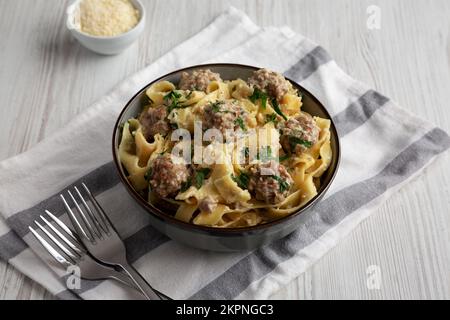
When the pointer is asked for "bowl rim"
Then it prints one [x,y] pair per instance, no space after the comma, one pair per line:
[70,11]
[208,229]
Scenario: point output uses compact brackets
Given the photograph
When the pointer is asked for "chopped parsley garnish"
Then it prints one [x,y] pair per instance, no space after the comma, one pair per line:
[240,122]
[242,180]
[277,109]
[294,141]
[185,185]
[285,157]
[173,98]
[259,95]
[198,179]
[271,118]
[246,152]
[148,174]
[172,95]
[283,184]
[216,106]
[200,176]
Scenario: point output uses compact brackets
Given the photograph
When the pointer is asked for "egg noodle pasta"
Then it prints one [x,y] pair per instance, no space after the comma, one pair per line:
[226,153]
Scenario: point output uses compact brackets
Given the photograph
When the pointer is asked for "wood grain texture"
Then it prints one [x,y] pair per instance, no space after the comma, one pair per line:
[46,78]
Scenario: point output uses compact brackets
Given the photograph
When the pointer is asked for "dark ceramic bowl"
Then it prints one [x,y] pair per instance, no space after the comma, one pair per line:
[226,239]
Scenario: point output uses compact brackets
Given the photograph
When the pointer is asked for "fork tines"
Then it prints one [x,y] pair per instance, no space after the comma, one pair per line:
[58,239]
[93,222]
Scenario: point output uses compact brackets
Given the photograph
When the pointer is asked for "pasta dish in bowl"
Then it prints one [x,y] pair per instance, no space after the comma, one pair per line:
[224,155]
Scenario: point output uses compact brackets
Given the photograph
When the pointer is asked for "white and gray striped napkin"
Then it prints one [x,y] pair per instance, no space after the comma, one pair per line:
[383,147]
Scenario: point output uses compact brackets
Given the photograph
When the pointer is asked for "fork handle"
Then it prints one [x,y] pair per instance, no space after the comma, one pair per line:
[141,284]
[125,279]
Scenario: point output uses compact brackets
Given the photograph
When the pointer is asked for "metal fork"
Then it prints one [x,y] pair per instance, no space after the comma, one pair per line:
[102,240]
[66,249]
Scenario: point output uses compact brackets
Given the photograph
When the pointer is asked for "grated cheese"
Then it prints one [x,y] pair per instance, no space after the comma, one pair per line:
[107,17]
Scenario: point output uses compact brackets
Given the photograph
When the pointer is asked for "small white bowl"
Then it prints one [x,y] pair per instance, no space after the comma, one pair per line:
[105,45]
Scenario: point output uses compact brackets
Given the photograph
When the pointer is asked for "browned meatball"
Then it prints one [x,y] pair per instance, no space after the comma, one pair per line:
[198,79]
[298,133]
[153,121]
[271,82]
[269,182]
[167,175]
[225,115]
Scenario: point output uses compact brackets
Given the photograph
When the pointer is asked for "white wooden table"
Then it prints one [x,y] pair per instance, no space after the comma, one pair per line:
[46,79]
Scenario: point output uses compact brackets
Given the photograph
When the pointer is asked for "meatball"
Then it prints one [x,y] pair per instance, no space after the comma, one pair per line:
[298,133]
[153,121]
[271,82]
[167,175]
[269,182]
[198,79]
[225,115]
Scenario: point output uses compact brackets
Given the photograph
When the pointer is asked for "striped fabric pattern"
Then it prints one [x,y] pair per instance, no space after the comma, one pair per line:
[383,147]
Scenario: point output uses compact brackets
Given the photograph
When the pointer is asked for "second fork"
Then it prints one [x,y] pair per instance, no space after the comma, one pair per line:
[102,240]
